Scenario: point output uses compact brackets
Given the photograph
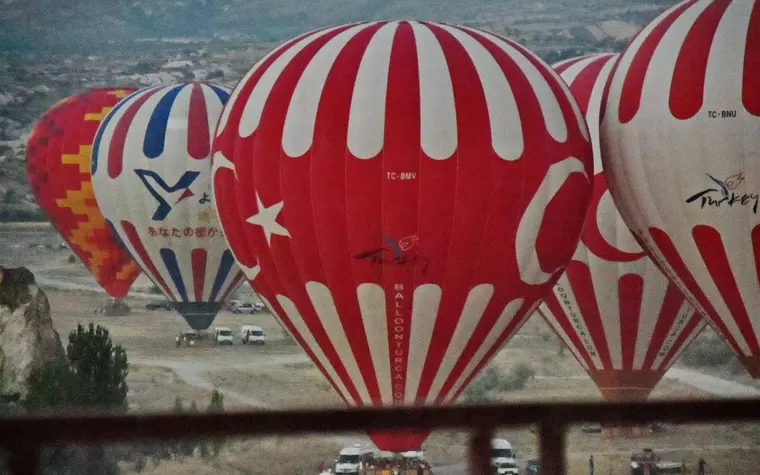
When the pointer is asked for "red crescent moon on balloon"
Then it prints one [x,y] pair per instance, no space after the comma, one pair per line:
[593,238]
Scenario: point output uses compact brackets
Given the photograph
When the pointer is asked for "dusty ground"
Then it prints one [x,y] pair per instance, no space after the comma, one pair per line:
[278,375]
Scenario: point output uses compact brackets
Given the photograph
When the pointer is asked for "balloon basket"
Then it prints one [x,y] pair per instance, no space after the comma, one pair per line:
[625,432]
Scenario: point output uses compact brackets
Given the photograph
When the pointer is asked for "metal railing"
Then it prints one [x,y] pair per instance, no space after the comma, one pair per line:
[24,438]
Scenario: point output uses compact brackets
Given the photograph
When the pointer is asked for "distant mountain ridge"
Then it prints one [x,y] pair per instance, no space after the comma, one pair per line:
[36,23]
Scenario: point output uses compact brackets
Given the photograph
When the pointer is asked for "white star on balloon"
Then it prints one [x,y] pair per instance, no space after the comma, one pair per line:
[250,272]
[267,219]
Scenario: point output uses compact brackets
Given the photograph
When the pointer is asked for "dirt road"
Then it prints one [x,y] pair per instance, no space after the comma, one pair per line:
[193,372]
[712,384]
[45,276]
[705,382]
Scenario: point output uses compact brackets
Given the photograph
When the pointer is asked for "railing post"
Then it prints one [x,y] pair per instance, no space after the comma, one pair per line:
[480,452]
[24,458]
[552,447]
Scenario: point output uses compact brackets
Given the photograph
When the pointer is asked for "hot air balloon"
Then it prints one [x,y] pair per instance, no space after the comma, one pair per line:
[151,170]
[58,171]
[401,195]
[616,311]
[680,142]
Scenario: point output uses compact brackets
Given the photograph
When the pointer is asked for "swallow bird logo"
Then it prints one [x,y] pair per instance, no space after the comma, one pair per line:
[167,195]
[395,252]
[725,193]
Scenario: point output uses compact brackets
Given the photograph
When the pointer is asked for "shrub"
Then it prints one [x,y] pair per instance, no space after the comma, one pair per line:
[93,377]
[475,393]
[11,197]
[517,377]
[708,352]
[18,214]
[478,391]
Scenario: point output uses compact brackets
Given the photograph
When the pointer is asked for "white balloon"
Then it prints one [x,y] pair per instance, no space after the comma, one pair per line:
[151,174]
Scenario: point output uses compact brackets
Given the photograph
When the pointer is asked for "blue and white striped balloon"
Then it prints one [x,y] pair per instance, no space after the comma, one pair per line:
[151,174]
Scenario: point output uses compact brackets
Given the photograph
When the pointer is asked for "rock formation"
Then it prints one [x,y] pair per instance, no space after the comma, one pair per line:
[27,337]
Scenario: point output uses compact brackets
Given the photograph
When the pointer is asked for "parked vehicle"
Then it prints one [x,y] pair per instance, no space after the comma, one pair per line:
[503,458]
[230,304]
[354,458]
[193,335]
[591,428]
[253,335]
[531,468]
[246,307]
[656,466]
[159,305]
[223,336]
[116,308]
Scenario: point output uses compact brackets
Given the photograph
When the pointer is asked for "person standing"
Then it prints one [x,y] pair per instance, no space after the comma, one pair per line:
[702,464]
[591,465]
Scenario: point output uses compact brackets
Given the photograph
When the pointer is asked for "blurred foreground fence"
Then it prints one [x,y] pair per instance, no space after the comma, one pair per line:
[24,438]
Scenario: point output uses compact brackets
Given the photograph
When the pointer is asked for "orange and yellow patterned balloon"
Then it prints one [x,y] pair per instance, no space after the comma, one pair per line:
[58,170]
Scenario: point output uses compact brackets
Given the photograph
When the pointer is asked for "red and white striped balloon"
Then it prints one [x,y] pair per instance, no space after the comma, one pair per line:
[681,146]
[616,311]
[401,195]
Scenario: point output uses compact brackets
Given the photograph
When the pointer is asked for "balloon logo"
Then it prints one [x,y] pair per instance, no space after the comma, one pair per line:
[621,318]
[58,170]
[679,137]
[401,195]
[152,175]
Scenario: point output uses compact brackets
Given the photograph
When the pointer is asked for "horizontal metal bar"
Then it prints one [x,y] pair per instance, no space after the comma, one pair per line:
[101,428]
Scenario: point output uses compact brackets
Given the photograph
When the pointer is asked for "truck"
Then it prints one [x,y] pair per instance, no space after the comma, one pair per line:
[647,457]
[503,457]
[223,336]
[353,459]
[252,334]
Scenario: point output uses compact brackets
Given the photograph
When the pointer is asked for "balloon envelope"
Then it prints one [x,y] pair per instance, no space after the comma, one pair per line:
[58,171]
[151,171]
[681,145]
[616,311]
[401,195]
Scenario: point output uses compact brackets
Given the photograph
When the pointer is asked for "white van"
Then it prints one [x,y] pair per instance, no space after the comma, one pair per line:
[251,334]
[223,336]
[354,458]
[503,458]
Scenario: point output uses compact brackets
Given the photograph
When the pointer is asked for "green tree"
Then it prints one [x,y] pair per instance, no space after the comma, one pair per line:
[92,378]
[52,387]
[11,197]
[100,368]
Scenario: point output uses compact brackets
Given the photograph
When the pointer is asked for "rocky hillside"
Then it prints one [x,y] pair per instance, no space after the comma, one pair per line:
[33,23]
[51,49]
[27,337]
